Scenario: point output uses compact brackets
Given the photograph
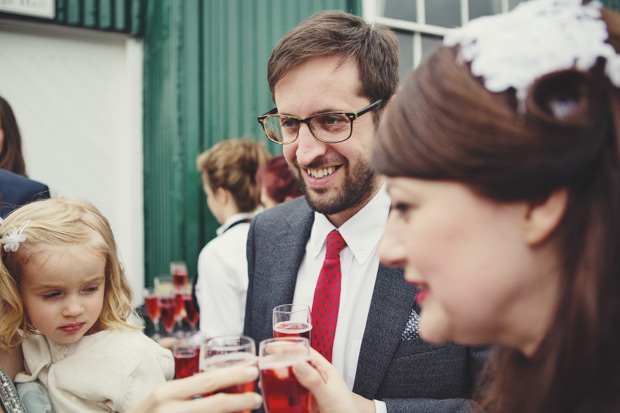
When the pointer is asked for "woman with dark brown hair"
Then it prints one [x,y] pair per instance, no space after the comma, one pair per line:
[11,157]
[15,187]
[501,153]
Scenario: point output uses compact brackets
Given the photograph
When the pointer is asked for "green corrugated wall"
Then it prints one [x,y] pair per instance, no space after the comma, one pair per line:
[205,80]
[121,16]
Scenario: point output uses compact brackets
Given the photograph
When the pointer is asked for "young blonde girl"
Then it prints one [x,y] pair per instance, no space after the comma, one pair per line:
[65,299]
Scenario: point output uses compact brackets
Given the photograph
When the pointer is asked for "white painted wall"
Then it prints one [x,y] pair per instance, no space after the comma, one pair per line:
[77,97]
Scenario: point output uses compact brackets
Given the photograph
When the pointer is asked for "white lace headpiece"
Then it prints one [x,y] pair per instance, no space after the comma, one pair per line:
[15,236]
[536,38]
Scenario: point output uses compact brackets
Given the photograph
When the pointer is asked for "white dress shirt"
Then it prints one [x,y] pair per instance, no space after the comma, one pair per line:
[222,283]
[359,264]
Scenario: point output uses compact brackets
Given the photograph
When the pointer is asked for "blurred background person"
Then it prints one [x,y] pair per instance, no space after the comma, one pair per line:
[228,171]
[276,182]
[11,157]
[17,190]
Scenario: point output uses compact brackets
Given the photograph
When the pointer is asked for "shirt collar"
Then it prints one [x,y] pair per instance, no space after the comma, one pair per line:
[235,218]
[361,232]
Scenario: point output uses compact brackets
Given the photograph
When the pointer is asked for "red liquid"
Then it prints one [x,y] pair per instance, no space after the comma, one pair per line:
[179,309]
[291,329]
[185,362]
[191,311]
[282,393]
[179,279]
[168,310]
[152,307]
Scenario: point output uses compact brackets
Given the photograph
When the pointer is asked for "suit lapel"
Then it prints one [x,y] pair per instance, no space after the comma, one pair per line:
[391,305]
[291,245]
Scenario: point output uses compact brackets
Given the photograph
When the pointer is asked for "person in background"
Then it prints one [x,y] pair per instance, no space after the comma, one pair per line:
[277,183]
[502,156]
[11,157]
[329,95]
[65,299]
[17,190]
[228,172]
[15,187]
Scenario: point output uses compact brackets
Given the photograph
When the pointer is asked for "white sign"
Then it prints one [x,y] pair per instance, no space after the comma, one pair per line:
[38,8]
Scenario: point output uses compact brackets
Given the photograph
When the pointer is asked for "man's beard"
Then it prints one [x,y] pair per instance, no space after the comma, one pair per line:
[360,184]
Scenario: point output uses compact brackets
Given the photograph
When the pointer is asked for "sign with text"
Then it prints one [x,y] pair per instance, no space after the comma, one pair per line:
[38,8]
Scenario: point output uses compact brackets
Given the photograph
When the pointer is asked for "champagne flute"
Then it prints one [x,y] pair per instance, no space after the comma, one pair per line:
[179,309]
[178,273]
[191,312]
[281,389]
[226,351]
[292,320]
[167,304]
[151,303]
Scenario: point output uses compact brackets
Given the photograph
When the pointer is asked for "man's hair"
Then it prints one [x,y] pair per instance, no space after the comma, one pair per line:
[336,33]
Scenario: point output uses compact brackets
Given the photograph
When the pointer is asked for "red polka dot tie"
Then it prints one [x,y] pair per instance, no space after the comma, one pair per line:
[327,297]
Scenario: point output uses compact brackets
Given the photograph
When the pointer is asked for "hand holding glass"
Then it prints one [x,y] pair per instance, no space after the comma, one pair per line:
[220,352]
[282,393]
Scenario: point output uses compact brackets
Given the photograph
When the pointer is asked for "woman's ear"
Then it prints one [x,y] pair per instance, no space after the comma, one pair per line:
[541,218]
[222,195]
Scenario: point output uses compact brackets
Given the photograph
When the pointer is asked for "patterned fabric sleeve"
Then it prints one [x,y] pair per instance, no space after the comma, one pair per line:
[9,396]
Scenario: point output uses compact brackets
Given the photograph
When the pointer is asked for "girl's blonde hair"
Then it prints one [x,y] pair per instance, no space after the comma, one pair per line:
[52,222]
[232,165]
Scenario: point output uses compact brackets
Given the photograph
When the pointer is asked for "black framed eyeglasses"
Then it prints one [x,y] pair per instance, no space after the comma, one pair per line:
[328,127]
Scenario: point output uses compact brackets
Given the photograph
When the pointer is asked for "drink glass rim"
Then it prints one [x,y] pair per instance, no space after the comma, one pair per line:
[291,308]
[245,344]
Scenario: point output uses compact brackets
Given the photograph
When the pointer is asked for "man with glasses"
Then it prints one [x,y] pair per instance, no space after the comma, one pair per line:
[330,77]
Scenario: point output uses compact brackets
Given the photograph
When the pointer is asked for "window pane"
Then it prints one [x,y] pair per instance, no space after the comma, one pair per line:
[445,13]
[479,8]
[429,42]
[401,9]
[405,42]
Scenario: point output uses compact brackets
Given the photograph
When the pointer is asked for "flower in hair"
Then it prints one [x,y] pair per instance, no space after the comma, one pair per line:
[15,236]
[536,38]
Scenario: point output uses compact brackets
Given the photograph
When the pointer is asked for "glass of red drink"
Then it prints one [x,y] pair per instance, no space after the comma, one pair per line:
[151,303]
[281,390]
[179,310]
[220,352]
[168,306]
[186,357]
[292,320]
[191,312]
[178,273]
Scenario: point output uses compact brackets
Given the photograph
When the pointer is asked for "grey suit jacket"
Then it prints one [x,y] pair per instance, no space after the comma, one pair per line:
[394,365]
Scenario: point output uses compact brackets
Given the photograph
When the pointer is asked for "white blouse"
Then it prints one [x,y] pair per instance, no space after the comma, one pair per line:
[222,283]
